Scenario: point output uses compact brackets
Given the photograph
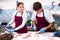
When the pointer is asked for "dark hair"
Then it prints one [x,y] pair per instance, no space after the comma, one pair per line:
[59,4]
[37,6]
[19,3]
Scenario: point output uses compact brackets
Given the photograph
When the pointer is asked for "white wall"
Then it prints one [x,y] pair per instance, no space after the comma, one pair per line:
[9,4]
[29,3]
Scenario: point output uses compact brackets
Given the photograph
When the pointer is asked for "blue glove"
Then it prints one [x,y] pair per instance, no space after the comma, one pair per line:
[55,33]
[35,28]
[7,25]
[11,30]
[42,30]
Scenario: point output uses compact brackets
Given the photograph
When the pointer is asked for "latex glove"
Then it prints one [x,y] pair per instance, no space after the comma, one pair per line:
[34,28]
[42,30]
[55,33]
[7,25]
[11,30]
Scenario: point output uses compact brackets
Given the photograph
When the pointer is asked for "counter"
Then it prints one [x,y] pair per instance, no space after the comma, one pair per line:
[31,35]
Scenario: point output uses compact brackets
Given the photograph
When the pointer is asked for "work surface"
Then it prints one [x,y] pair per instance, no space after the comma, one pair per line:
[34,36]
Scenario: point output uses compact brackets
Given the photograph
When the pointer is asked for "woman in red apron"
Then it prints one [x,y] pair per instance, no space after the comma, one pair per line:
[20,19]
[40,23]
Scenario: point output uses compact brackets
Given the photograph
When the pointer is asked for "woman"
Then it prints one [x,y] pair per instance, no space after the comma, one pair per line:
[19,18]
[41,18]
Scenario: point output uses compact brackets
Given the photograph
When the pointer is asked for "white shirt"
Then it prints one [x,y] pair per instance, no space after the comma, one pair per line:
[24,16]
[47,14]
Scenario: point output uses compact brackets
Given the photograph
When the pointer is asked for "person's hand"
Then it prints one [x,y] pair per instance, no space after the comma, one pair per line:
[11,30]
[7,25]
[34,27]
[54,34]
[42,30]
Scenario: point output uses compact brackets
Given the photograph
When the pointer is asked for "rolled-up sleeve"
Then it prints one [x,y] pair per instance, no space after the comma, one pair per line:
[12,19]
[49,16]
[33,16]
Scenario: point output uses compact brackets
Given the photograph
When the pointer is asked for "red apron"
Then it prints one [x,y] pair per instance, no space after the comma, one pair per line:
[18,22]
[41,22]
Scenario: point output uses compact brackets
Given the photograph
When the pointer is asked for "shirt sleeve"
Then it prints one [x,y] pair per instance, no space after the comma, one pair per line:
[13,16]
[23,22]
[49,16]
[33,16]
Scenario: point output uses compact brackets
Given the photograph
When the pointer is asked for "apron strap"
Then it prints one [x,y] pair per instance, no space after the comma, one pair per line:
[16,13]
[43,12]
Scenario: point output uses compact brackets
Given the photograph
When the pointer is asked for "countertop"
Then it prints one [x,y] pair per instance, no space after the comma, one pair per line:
[32,35]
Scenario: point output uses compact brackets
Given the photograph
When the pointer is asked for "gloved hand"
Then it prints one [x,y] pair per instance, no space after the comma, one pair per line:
[42,30]
[35,28]
[7,25]
[55,33]
[11,30]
